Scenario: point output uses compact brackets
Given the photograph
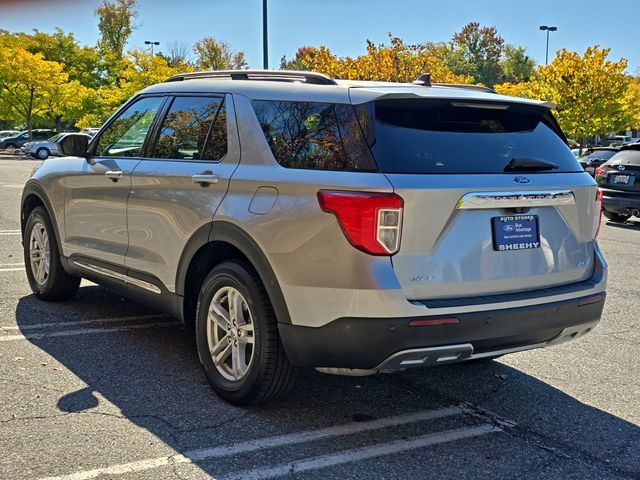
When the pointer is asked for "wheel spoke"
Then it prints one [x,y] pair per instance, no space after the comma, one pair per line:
[236,362]
[218,347]
[232,301]
[222,356]
[221,316]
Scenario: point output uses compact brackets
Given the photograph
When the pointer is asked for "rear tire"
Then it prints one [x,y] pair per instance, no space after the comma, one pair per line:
[11,145]
[616,217]
[45,273]
[250,363]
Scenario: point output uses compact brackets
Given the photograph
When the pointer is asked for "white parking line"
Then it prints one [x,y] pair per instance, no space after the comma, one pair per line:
[12,269]
[71,323]
[262,443]
[10,232]
[364,453]
[19,264]
[86,331]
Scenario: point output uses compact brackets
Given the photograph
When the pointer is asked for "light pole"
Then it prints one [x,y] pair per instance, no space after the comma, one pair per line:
[547,29]
[265,43]
[147,42]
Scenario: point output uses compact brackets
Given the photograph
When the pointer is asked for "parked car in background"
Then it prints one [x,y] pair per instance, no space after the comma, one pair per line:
[619,181]
[8,133]
[616,141]
[19,140]
[42,149]
[576,152]
[632,141]
[595,156]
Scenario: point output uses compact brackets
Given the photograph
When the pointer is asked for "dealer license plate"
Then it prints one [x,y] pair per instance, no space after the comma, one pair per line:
[515,232]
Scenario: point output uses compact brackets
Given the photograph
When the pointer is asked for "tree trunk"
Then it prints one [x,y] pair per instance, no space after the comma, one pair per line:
[58,120]
[582,139]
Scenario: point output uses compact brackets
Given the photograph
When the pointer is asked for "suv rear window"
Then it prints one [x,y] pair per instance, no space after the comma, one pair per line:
[443,136]
[314,135]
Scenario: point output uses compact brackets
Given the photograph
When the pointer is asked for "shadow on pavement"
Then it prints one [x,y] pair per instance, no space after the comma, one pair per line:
[154,379]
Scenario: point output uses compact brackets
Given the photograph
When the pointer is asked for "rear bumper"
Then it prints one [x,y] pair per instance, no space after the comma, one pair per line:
[620,201]
[381,343]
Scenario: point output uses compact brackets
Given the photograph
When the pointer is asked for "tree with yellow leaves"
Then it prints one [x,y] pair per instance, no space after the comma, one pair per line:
[397,62]
[591,92]
[140,69]
[32,87]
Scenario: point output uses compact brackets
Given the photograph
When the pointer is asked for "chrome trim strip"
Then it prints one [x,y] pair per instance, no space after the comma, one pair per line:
[118,276]
[532,198]
[419,357]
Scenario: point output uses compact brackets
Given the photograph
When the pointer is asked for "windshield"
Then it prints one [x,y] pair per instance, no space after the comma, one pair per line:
[441,136]
[54,138]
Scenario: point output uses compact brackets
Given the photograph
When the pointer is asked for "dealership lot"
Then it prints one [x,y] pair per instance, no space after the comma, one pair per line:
[103,386]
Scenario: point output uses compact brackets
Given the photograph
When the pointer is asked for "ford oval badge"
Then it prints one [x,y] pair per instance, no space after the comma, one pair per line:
[522,180]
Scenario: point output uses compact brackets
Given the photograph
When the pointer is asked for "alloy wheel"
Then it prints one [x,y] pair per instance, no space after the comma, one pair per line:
[39,253]
[230,333]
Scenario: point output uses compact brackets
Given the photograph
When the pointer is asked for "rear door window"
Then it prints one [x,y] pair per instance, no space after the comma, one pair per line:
[437,136]
[314,135]
[195,128]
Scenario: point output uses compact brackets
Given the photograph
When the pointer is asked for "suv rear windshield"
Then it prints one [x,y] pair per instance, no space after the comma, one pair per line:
[443,136]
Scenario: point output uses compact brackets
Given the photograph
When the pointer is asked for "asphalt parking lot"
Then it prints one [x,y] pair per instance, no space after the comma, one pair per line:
[102,386]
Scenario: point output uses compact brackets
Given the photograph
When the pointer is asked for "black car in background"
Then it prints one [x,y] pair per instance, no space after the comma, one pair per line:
[593,157]
[619,181]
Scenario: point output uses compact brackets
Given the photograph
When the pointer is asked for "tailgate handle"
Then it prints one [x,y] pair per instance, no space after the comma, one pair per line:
[537,198]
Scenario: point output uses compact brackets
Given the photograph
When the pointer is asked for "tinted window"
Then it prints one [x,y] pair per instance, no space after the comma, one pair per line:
[125,136]
[194,128]
[320,136]
[601,154]
[627,157]
[427,136]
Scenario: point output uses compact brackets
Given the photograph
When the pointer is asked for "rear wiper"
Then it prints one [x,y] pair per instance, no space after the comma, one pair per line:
[529,164]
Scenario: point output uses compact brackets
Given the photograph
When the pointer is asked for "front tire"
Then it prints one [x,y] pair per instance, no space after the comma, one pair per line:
[45,273]
[616,217]
[237,337]
[42,153]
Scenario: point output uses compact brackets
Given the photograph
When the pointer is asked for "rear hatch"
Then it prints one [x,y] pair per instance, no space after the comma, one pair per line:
[494,200]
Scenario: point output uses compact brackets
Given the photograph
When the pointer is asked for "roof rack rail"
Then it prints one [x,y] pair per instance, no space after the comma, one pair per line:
[273,75]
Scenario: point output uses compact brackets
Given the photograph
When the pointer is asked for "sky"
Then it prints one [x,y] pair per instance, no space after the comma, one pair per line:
[345,25]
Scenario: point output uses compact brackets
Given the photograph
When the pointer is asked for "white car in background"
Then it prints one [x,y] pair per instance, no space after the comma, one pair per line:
[43,148]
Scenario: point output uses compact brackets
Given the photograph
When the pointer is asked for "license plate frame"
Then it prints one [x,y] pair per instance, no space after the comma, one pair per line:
[623,179]
[515,232]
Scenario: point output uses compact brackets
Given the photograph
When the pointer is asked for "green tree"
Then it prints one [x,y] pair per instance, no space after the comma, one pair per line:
[140,69]
[32,87]
[592,92]
[476,51]
[516,65]
[214,55]
[115,22]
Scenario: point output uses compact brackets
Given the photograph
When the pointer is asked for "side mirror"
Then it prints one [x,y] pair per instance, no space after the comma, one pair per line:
[74,145]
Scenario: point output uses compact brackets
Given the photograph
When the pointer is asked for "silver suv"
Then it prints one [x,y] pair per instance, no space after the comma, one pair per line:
[296,220]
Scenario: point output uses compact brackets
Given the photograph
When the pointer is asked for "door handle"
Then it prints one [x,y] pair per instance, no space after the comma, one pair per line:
[114,175]
[205,179]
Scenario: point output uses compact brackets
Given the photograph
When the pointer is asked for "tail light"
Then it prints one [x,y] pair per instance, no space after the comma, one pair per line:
[599,171]
[371,221]
[598,221]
